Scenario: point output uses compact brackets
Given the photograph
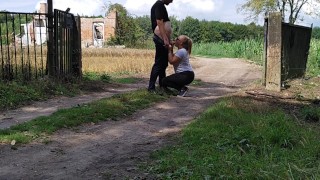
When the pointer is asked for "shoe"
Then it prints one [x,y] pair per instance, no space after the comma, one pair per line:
[183,91]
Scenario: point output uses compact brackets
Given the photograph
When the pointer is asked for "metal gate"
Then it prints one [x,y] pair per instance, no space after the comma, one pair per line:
[67,45]
[24,46]
[286,51]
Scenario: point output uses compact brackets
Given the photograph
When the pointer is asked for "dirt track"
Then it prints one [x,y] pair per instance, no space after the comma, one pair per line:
[113,150]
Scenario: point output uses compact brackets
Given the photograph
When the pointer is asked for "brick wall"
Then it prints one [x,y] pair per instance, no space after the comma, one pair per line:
[87,28]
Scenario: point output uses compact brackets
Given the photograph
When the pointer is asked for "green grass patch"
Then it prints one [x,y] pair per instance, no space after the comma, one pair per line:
[197,82]
[252,49]
[15,94]
[102,110]
[126,80]
[241,138]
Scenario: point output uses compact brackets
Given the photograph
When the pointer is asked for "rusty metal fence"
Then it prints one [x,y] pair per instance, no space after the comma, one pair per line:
[295,48]
[24,51]
[22,45]
[67,44]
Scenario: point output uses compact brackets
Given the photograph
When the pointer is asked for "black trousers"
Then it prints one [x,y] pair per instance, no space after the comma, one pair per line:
[178,80]
[160,63]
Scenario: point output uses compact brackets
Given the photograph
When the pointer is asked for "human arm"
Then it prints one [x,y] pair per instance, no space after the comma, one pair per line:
[163,32]
[173,59]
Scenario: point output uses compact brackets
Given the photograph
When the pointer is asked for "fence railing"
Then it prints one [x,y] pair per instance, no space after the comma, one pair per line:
[67,44]
[23,50]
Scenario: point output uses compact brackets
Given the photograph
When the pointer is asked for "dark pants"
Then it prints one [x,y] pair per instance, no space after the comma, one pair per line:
[160,63]
[178,80]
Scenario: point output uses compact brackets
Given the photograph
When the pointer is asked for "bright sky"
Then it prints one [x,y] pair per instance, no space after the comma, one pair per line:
[218,10]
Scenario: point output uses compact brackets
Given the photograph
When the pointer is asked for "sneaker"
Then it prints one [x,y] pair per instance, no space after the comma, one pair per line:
[183,91]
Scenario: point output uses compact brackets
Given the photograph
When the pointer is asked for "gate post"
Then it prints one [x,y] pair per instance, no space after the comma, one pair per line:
[274,52]
[51,51]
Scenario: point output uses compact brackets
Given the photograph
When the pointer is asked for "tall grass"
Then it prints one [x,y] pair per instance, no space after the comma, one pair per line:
[313,66]
[253,50]
[248,49]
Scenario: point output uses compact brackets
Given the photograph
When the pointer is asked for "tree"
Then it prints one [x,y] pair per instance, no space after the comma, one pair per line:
[291,9]
[190,27]
[3,16]
[126,28]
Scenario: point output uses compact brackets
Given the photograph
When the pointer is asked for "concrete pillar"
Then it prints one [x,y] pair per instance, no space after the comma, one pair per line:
[274,52]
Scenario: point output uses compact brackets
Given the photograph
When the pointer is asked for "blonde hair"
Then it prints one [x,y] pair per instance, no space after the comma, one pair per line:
[187,43]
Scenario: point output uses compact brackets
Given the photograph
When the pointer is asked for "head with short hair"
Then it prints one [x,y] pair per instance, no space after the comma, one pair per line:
[167,2]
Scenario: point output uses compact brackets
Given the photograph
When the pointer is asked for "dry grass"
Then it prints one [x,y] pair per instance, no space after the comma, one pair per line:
[99,60]
[117,60]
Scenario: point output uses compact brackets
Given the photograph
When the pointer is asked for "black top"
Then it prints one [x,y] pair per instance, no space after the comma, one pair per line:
[158,12]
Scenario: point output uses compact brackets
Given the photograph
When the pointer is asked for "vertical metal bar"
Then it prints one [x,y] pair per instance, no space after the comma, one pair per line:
[56,41]
[7,43]
[69,50]
[8,67]
[28,46]
[21,47]
[14,44]
[265,51]
[51,48]
[2,58]
[66,44]
[34,46]
[61,42]
[41,44]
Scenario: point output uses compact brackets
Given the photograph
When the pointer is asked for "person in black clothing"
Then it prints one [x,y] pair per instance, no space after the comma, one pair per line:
[162,31]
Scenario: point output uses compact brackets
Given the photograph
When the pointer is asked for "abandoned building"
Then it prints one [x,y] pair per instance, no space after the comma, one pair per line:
[94,31]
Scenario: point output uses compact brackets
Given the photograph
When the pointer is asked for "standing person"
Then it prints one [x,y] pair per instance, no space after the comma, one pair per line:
[161,27]
[184,74]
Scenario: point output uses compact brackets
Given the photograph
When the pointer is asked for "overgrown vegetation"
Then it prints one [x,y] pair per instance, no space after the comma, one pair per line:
[243,138]
[15,94]
[252,49]
[102,110]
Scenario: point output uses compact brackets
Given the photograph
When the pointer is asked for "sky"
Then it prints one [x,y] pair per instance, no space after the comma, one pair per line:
[211,10]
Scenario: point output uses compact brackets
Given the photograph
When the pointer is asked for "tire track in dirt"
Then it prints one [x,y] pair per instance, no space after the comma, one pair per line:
[113,150]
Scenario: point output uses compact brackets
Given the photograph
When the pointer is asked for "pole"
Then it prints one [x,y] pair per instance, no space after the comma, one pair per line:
[51,53]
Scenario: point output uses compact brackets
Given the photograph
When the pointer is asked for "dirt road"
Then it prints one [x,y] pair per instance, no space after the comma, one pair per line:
[113,150]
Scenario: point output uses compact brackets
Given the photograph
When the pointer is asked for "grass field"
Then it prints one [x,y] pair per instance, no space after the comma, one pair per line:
[236,138]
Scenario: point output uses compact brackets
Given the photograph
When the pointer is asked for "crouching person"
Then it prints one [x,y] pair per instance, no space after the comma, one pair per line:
[180,60]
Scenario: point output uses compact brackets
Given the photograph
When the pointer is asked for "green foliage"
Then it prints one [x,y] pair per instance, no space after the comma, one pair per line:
[3,16]
[313,64]
[215,31]
[126,80]
[102,110]
[316,33]
[134,31]
[251,49]
[14,94]
[191,27]
[290,10]
[125,31]
[10,25]
[240,138]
